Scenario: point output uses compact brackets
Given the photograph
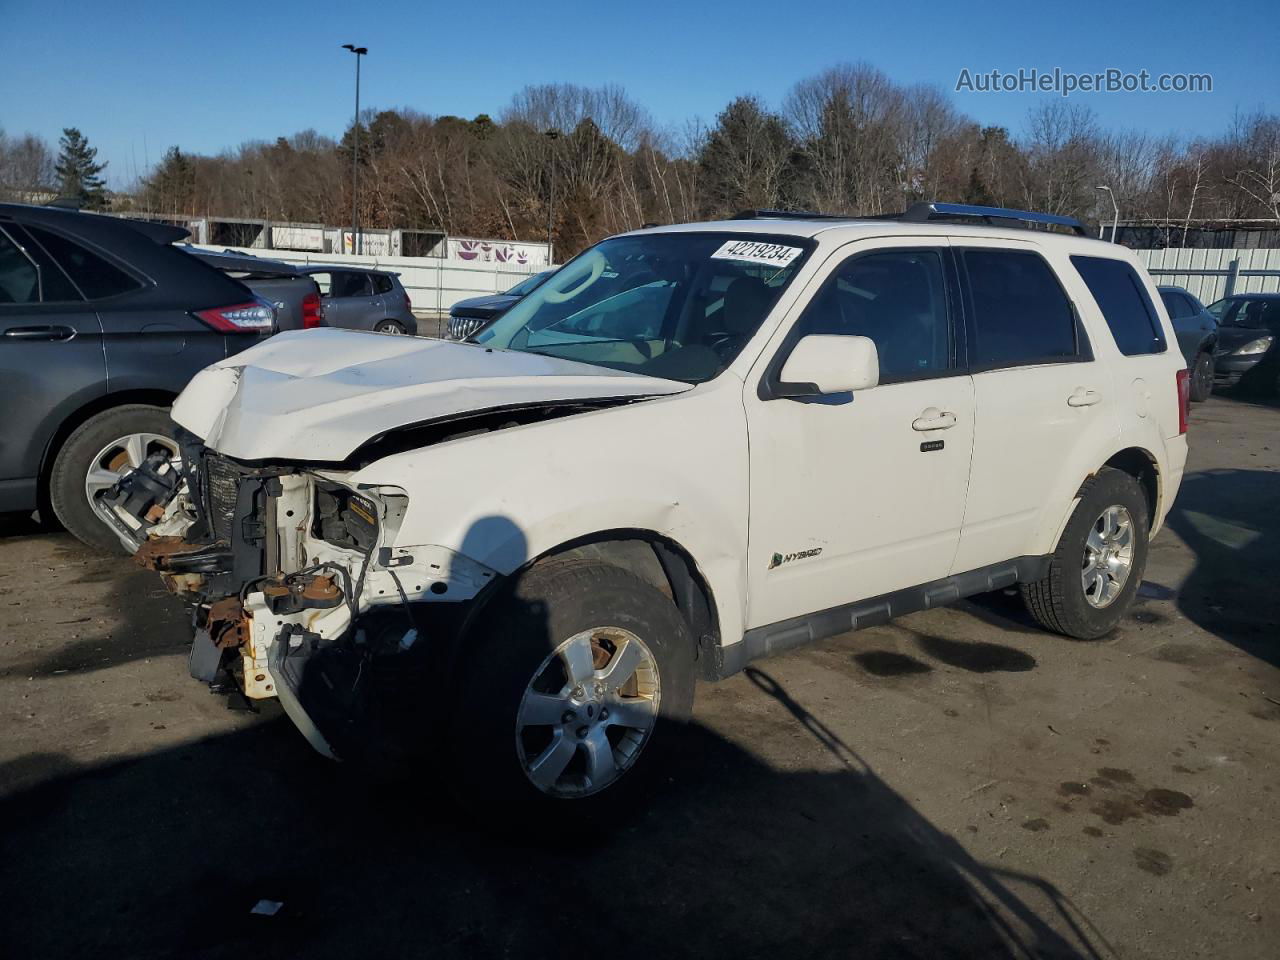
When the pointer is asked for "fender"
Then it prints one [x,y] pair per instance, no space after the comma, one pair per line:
[639,467]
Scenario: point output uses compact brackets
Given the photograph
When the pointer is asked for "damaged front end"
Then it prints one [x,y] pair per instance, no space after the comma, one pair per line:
[298,589]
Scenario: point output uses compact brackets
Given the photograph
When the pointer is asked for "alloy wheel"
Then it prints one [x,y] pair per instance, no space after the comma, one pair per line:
[588,712]
[1108,556]
[122,455]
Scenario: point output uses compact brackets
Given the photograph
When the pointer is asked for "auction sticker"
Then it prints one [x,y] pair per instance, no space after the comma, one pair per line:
[753,251]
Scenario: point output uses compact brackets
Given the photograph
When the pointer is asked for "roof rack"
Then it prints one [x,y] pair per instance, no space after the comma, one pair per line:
[925,212]
[789,215]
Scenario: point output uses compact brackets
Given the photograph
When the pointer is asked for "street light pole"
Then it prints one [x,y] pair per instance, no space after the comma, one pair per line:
[553,136]
[1115,219]
[356,245]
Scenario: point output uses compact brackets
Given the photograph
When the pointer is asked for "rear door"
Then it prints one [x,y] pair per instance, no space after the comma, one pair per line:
[51,359]
[151,342]
[1043,400]
[350,300]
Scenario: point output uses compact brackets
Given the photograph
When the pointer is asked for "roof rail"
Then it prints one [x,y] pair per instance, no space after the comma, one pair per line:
[788,215]
[924,212]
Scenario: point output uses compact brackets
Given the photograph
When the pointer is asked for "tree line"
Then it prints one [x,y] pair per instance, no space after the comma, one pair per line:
[577,163]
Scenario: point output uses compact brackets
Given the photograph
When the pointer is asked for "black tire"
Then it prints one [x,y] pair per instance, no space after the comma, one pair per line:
[72,463]
[390,326]
[1058,601]
[1202,378]
[547,605]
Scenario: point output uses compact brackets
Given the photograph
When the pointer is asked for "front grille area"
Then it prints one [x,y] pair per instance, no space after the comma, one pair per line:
[462,327]
[221,480]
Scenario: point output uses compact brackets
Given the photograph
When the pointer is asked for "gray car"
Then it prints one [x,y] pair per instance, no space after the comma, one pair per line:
[292,294]
[362,299]
[1197,333]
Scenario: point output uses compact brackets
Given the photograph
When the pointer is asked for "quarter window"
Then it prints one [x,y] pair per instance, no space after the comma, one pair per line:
[95,276]
[1176,304]
[1019,313]
[898,299]
[381,283]
[1124,303]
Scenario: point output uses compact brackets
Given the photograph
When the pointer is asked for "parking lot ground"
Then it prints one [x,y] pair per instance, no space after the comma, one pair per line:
[958,784]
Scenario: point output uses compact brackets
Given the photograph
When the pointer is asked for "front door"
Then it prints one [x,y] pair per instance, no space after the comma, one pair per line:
[859,495]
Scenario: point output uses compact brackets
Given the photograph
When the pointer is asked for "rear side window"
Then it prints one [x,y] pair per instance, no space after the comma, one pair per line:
[1019,313]
[1124,303]
[381,283]
[19,281]
[95,276]
[347,284]
[1176,304]
[54,285]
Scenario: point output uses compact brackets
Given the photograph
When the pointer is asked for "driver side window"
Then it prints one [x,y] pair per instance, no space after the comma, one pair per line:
[896,298]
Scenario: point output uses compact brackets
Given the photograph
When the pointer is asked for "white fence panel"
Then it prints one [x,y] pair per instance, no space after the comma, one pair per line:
[434,284]
[1212,274]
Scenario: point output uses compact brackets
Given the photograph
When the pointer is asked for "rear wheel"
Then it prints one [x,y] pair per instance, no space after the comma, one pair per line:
[570,690]
[1202,378]
[390,326]
[96,455]
[1098,564]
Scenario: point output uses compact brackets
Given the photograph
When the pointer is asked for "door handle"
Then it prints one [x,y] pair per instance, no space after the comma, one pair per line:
[1083,398]
[934,419]
[40,333]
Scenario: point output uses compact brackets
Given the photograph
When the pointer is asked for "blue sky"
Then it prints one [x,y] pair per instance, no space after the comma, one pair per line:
[137,77]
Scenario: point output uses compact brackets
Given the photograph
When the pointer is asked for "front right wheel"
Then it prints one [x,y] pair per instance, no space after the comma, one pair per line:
[1099,561]
[1202,378]
[569,690]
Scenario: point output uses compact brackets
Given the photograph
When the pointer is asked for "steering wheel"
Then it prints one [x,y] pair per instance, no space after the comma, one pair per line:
[723,343]
[597,268]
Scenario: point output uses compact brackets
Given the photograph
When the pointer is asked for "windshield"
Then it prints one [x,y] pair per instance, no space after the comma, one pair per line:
[528,284]
[673,305]
[1259,314]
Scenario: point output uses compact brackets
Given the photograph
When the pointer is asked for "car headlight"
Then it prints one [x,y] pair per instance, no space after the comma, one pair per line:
[1254,347]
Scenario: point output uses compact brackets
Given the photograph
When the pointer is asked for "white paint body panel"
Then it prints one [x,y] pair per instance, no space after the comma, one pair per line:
[729,477]
[320,394]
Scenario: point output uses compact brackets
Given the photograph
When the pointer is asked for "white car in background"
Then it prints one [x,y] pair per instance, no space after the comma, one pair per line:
[692,447]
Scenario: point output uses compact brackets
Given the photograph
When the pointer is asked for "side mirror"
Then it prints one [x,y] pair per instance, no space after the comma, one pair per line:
[823,364]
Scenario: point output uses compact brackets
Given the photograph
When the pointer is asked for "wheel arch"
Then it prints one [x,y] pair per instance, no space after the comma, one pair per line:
[70,423]
[1143,467]
[661,562]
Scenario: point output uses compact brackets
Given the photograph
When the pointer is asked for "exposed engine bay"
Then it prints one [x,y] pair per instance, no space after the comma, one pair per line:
[294,581]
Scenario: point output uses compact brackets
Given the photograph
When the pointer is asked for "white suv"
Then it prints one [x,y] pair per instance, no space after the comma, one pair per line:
[692,447]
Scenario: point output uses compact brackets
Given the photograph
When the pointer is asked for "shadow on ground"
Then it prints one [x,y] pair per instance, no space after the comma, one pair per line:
[1230,519]
[165,855]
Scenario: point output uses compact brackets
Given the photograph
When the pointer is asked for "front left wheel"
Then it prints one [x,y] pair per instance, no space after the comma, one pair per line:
[570,690]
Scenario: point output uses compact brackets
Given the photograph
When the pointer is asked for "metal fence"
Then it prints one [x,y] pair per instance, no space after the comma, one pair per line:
[1213,274]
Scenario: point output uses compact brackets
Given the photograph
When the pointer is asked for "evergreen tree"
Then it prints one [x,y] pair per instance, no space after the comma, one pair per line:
[78,170]
[171,186]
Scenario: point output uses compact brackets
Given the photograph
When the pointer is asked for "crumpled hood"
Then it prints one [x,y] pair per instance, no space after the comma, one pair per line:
[319,394]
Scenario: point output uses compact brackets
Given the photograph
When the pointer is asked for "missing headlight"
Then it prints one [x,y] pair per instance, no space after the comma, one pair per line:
[345,519]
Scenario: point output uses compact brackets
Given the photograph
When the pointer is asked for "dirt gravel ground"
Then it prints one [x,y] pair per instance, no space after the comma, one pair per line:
[958,784]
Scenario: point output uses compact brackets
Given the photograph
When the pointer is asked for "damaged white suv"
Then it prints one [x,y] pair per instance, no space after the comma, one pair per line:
[692,447]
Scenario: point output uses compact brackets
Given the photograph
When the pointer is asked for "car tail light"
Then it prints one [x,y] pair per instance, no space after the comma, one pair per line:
[311,311]
[1184,399]
[408,304]
[252,317]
